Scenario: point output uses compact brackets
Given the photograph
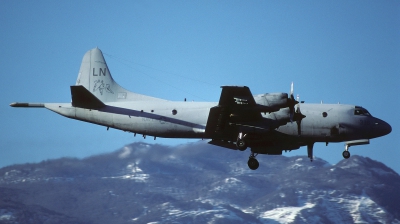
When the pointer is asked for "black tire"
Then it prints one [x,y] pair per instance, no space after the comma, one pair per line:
[253,164]
[241,144]
[346,154]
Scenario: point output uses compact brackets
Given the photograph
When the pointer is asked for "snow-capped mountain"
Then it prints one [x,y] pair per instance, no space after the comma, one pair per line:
[198,183]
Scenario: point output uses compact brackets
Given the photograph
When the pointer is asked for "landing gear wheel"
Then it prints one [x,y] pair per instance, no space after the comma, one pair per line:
[241,144]
[346,154]
[253,163]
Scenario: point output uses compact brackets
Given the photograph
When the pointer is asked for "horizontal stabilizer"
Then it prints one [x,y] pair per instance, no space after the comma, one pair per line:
[81,97]
[27,104]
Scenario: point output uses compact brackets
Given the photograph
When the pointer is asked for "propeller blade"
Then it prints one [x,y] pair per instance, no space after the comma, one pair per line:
[291,91]
[298,112]
[291,103]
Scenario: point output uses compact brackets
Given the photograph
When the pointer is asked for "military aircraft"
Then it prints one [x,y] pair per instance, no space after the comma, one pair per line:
[267,123]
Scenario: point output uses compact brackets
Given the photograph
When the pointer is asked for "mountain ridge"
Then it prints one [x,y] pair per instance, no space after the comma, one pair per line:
[197,183]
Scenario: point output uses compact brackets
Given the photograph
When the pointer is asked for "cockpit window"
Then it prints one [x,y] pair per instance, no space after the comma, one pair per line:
[361,111]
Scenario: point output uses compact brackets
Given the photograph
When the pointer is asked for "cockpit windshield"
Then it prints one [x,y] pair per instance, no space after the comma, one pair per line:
[361,111]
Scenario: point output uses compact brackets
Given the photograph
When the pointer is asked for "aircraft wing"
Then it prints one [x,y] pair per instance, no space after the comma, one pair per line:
[236,95]
[236,109]
[241,97]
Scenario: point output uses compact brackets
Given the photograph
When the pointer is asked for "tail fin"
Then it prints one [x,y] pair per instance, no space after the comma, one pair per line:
[95,76]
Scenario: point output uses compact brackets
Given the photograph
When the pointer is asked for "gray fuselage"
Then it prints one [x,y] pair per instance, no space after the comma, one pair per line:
[323,122]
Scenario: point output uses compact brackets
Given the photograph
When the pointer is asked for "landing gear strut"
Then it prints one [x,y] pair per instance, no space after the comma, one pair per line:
[310,147]
[253,163]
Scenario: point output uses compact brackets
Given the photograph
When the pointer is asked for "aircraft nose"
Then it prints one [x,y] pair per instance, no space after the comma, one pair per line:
[382,128]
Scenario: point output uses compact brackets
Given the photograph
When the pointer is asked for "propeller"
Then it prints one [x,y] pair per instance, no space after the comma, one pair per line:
[298,116]
[295,113]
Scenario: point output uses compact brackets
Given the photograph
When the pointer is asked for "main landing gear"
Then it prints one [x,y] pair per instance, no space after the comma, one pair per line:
[253,162]
[240,142]
[242,145]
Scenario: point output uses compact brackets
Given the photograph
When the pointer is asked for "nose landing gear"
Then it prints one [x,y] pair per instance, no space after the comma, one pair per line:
[346,154]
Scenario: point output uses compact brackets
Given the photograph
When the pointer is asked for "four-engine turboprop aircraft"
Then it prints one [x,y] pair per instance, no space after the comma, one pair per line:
[266,123]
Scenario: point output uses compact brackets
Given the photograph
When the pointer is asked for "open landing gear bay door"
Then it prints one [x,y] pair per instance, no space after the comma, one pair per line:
[237,110]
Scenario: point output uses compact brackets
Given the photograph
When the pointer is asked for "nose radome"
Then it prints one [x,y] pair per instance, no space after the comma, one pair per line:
[387,128]
[383,127]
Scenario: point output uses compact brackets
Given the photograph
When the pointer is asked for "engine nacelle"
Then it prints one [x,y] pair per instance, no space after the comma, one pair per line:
[272,100]
[279,118]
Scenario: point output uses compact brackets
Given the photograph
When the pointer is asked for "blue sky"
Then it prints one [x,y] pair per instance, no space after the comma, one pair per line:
[339,51]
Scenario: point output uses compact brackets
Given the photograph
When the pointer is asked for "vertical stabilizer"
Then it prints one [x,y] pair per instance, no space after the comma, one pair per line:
[95,76]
